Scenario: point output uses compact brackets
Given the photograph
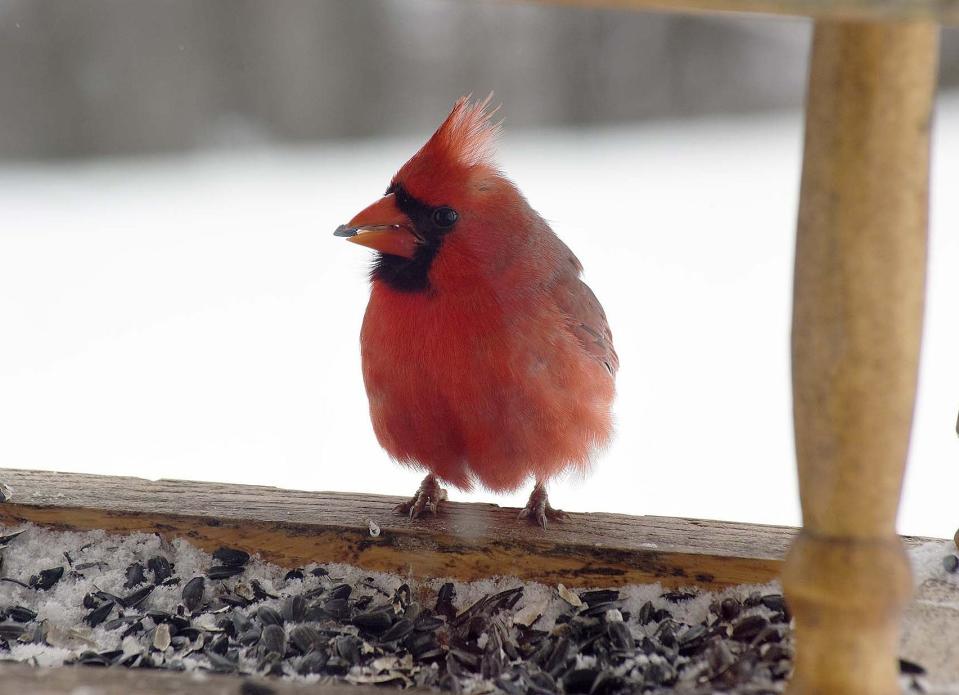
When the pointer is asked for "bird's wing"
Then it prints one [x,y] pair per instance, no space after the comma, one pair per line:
[587,318]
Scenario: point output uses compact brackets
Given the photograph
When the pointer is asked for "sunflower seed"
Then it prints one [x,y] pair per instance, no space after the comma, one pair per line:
[11,631]
[136,598]
[304,638]
[46,579]
[374,622]
[729,609]
[192,593]
[774,602]
[98,615]
[294,609]
[336,608]
[231,556]
[293,574]
[135,576]
[749,627]
[314,662]
[911,667]
[399,630]
[342,591]
[268,616]
[224,571]
[592,598]
[272,641]
[161,637]
[21,614]
[444,601]
[160,567]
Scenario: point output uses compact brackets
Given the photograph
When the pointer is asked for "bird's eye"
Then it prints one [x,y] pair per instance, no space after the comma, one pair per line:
[445,217]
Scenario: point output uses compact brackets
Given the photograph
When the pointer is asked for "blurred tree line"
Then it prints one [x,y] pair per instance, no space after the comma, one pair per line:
[106,77]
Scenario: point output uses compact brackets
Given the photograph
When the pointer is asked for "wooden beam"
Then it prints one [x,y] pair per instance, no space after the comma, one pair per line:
[465,541]
[857,323]
[944,11]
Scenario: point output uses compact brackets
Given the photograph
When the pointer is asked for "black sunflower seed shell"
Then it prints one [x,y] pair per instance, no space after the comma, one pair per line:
[224,571]
[47,578]
[98,615]
[233,557]
[160,567]
[192,593]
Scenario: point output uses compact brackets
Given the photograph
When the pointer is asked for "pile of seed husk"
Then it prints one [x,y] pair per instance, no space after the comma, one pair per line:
[137,602]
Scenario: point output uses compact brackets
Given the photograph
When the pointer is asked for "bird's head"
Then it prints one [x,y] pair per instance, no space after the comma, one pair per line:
[448,212]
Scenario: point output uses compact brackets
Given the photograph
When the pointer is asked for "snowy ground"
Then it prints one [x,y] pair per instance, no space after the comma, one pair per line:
[193,317]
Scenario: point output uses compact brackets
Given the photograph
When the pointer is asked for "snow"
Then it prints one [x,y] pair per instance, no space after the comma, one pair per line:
[193,316]
[61,607]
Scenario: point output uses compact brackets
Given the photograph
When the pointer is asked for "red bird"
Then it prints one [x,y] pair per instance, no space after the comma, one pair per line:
[486,359]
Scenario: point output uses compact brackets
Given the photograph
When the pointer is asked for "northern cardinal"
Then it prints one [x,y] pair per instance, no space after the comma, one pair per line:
[485,358]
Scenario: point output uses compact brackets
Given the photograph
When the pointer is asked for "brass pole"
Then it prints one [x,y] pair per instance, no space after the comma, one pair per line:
[857,321]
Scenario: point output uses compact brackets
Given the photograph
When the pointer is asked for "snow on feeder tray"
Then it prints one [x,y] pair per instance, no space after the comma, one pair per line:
[136,601]
[154,603]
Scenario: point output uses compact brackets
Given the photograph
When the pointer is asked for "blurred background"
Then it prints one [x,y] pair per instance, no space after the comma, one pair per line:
[172,302]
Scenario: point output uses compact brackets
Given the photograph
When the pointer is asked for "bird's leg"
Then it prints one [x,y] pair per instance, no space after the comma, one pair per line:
[537,510]
[427,498]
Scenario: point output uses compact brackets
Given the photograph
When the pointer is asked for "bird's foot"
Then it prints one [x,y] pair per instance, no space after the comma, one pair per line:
[538,511]
[427,498]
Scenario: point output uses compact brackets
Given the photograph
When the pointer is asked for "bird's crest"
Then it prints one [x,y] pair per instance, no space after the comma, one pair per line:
[463,141]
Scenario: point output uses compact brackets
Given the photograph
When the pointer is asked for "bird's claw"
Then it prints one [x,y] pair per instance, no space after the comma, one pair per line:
[427,499]
[538,510]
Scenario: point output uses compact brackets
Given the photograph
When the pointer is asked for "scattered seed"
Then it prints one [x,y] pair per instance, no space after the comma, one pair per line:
[730,609]
[136,598]
[21,614]
[314,662]
[749,627]
[160,567]
[10,631]
[46,579]
[294,609]
[259,593]
[444,601]
[135,576]
[374,622]
[231,556]
[593,598]
[192,593]
[568,596]
[774,602]
[98,615]
[677,596]
[341,591]
[400,629]
[272,641]
[620,636]
[336,608]
[224,571]
[161,637]
[911,667]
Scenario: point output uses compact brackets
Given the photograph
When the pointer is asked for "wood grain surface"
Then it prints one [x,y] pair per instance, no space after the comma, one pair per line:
[464,541]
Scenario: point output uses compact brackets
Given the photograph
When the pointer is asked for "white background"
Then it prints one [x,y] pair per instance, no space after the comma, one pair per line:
[193,316]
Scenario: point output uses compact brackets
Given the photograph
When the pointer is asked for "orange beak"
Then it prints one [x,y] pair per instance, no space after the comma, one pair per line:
[383,227]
